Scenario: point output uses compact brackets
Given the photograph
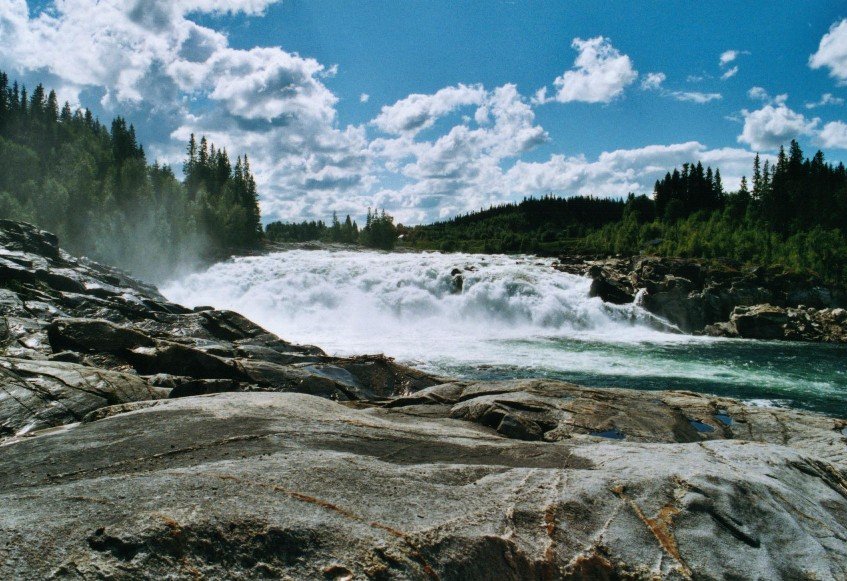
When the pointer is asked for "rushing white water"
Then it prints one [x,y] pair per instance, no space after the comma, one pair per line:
[409,305]
[511,317]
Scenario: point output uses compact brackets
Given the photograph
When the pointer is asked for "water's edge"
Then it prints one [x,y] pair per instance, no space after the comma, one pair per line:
[497,317]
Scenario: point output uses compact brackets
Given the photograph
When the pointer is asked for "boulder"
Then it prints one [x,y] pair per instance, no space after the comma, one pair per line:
[39,394]
[675,300]
[611,292]
[178,359]
[94,335]
[760,322]
[700,297]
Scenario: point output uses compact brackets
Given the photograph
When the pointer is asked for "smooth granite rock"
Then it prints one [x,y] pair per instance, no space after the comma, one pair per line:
[285,485]
[143,440]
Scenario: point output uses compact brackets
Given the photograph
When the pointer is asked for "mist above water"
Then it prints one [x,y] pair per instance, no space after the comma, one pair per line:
[511,316]
[410,305]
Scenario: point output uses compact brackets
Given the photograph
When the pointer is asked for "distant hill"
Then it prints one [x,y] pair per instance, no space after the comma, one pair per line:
[792,214]
[547,224]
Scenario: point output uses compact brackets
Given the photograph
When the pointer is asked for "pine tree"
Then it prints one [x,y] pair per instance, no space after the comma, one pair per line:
[718,185]
[66,116]
[37,101]
[52,108]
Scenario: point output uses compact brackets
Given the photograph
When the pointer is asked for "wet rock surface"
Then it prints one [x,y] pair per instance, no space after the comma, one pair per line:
[140,439]
[714,297]
[771,322]
[76,336]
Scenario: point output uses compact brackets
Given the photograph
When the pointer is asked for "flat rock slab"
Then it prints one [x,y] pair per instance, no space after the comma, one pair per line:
[555,410]
[285,485]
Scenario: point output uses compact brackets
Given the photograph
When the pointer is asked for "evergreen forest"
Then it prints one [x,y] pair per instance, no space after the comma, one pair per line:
[93,186]
[379,231]
[792,214]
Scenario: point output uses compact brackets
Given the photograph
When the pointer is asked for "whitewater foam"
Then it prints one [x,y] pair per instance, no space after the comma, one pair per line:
[412,305]
[511,316]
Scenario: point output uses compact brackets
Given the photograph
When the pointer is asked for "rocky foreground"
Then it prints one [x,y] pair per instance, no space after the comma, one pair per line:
[721,298]
[140,439]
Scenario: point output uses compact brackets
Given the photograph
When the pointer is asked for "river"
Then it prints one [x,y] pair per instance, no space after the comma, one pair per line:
[513,316]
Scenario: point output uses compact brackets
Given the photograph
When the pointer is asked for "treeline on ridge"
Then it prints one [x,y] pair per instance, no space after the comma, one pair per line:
[793,214]
[64,171]
[92,185]
[379,231]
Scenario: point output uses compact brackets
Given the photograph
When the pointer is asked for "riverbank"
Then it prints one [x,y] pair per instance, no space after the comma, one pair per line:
[139,437]
[721,298]
[718,298]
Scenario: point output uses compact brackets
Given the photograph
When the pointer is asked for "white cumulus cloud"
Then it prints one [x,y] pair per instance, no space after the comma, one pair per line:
[600,74]
[834,134]
[456,170]
[695,96]
[728,56]
[729,73]
[417,111]
[826,99]
[832,52]
[153,58]
[653,81]
[773,125]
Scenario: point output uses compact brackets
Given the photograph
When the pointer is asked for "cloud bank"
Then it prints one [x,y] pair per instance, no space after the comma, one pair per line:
[423,157]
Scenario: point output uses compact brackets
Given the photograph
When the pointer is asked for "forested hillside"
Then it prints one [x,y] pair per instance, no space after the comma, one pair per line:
[793,214]
[379,231]
[533,225]
[92,185]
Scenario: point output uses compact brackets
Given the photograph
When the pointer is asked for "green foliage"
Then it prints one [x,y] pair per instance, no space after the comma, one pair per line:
[794,217]
[539,225]
[379,231]
[346,232]
[302,232]
[92,186]
[718,235]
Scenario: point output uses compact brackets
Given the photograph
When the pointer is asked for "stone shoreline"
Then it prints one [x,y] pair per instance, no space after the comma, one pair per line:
[720,298]
[142,439]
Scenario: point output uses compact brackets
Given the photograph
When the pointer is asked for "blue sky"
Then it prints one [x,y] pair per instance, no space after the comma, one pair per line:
[432,108]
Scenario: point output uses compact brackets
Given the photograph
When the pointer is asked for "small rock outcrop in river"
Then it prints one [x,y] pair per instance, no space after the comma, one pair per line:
[720,297]
[139,439]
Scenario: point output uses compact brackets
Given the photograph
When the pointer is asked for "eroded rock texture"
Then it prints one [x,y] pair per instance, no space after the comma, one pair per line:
[720,297]
[139,439]
[76,336]
[295,486]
